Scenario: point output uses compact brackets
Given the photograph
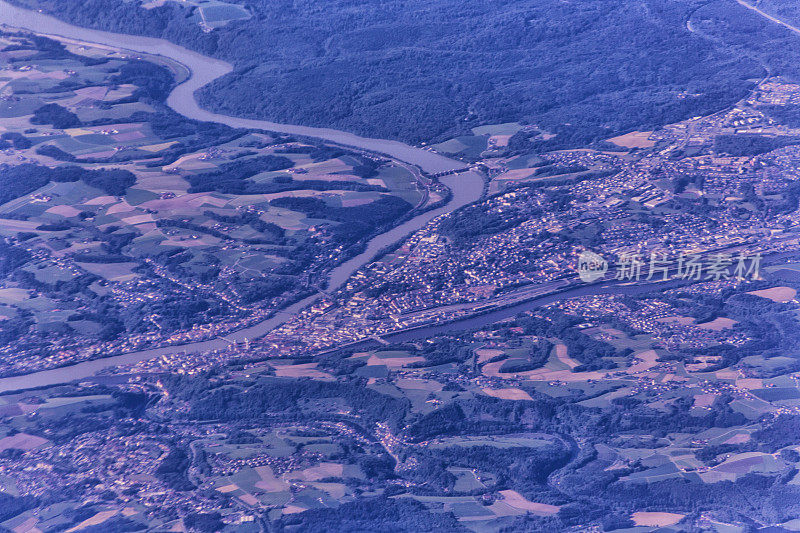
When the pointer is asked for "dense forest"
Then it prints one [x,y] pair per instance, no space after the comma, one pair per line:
[232,178]
[374,514]
[355,222]
[19,180]
[749,145]
[419,70]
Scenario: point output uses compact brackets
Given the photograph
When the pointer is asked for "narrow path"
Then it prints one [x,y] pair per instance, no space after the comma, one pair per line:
[767,16]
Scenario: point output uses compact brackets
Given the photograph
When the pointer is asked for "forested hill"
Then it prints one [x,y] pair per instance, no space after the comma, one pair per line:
[420,69]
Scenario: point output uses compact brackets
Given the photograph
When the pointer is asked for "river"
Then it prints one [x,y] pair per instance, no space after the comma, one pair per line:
[204,70]
[496,315]
[466,187]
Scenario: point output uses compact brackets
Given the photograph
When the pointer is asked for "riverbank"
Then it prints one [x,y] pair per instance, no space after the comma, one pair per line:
[466,187]
[204,70]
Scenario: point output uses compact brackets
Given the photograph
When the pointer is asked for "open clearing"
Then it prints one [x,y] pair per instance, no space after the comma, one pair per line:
[718,324]
[518,501]
[655,519]
[634,139]
[508,394]
[305,370]
[21,441]
[776,294]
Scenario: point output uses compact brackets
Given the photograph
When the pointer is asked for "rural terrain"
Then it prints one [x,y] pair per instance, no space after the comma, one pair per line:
[467,378]
[138,228]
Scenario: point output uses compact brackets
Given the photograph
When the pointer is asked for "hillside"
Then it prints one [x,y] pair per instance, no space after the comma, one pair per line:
[584,70]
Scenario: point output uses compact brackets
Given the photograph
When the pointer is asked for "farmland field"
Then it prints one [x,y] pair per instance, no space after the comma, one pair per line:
[139,208]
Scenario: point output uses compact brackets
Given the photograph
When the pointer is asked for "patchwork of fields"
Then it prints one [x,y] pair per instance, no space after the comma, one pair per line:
[135,227]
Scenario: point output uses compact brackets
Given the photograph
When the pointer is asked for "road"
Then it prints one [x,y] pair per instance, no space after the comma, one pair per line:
[767,16]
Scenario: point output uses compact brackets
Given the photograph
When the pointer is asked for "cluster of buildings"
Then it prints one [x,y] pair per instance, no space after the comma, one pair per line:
[643,202]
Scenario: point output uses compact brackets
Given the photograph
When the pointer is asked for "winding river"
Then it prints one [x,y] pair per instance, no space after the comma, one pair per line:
[204,70]
[466,187]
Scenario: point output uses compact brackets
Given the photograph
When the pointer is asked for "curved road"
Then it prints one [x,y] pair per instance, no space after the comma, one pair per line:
[767,16]
[466,187]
